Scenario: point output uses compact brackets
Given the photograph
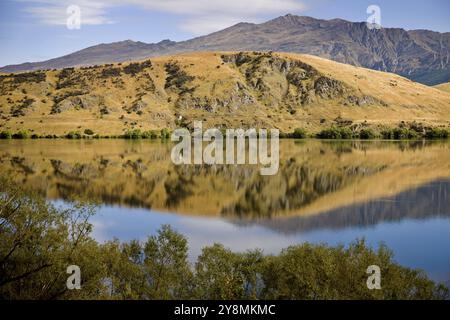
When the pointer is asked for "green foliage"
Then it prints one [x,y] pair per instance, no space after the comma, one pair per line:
[133,134]
[367,134]
[74,135]
[165,134]
[165,264]
[38,241]
[5,135]
[320,272]
[336,133]
[399,134]
[299,133]
[222,274]
[89,132]
[20,135]
[437,133]
[151,134]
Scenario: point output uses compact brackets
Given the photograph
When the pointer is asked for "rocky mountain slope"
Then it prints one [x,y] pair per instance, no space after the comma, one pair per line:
[420,55]
[224,89]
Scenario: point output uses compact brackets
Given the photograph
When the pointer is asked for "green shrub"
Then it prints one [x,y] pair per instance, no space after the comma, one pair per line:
[336,133]
[133,134]
[387,134]
[5,135]
[20,135]
[399,134]
[346,133]
[165,134]
[299,133]
[74,135]
[437,133]
[367,134]
[330,133]
[89,132]
[151,134]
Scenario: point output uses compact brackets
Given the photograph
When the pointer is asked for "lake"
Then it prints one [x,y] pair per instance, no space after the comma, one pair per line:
[333,192]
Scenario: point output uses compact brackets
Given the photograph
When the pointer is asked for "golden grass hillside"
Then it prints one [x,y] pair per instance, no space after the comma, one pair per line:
[223,89]
[444,87]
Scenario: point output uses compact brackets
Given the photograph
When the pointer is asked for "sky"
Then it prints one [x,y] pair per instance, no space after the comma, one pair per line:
[36,30]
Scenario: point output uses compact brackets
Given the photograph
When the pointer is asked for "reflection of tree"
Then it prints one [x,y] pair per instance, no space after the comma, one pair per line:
[178,186]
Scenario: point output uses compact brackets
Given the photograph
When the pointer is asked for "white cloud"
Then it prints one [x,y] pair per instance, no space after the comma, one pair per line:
[220,7]
[200,16]
[55,12]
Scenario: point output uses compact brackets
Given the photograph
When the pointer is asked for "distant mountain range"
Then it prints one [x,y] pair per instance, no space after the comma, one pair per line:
[420,55]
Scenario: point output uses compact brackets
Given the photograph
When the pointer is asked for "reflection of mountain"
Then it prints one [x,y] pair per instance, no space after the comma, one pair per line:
[314,176]
[430,200]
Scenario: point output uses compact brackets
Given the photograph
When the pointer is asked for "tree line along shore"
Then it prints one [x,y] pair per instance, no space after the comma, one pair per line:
[401,132]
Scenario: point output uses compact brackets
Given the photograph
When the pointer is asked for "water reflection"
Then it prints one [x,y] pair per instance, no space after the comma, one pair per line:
[331,192]
[428,201]
[314,176]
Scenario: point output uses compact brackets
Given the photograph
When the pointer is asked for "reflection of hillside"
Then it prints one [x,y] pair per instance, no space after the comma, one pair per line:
[431,200]
[314,176]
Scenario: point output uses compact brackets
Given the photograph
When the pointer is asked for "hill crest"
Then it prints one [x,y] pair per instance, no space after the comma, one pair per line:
[422,56]
[224,89]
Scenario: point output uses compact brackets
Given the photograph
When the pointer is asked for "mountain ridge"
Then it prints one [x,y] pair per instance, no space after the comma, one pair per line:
[420,55]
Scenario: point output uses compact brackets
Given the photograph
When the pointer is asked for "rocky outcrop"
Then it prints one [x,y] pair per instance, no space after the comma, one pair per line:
[292,83]
[78,102]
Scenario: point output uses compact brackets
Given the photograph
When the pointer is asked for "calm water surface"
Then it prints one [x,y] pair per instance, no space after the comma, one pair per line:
[397,193]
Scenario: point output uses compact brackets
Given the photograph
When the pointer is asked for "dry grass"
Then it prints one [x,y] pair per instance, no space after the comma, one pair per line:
[444,87]
[214,99]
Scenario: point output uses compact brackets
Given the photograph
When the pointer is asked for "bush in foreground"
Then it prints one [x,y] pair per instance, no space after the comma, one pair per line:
[39,241]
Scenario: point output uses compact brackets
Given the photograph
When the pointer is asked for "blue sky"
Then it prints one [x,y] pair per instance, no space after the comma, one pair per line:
[35,30]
